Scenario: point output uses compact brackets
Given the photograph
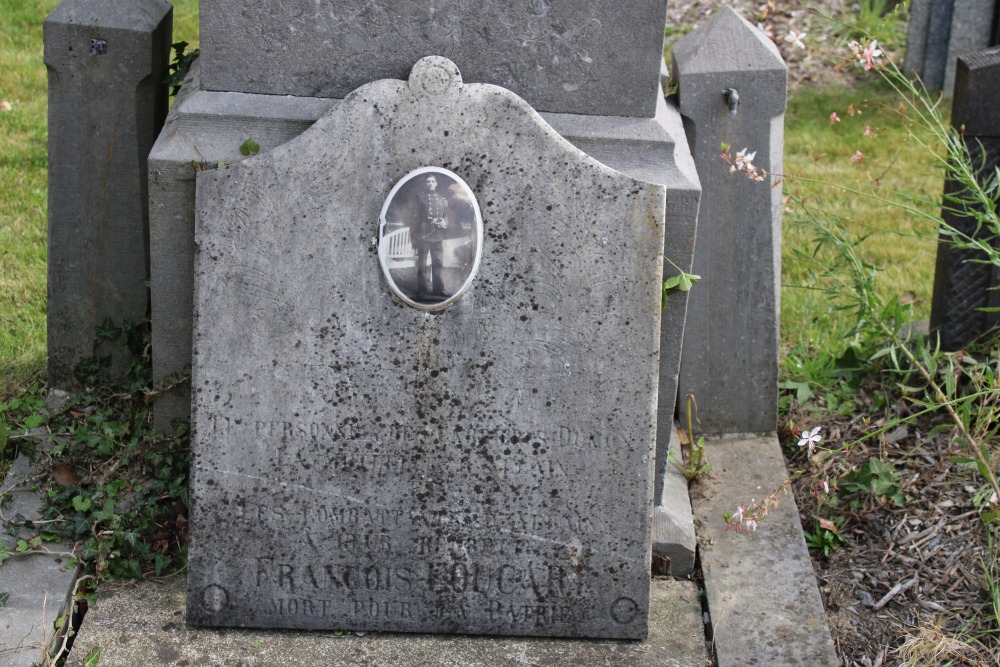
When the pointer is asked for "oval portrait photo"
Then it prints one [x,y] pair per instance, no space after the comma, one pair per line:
[430,238]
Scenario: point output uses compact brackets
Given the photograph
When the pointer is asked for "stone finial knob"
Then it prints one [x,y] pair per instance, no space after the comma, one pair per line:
[434,75]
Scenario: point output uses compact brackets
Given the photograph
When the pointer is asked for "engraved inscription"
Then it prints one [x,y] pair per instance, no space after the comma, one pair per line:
[540,616]
[314,577]
[542,581]
[301,607]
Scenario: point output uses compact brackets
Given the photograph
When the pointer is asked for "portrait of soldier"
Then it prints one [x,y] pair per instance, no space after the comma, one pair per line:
[431,235]
[428,230]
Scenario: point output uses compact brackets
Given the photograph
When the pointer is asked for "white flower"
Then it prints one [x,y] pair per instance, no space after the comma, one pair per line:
[795,38]
[738,514]
[744,161]
[869,55]
[811,439]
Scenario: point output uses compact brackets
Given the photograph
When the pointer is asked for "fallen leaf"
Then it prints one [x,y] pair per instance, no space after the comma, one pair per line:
[63,476]
[683,436]
[907,298]
[826,524]
[5,105]
[182,528]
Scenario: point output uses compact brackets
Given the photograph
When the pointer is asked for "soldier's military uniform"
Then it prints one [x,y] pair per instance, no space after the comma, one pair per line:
[427,235]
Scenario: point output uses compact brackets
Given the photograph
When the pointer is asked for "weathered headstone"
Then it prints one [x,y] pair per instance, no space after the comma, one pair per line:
[487,468]
[972,25]
[941,31]
[206,126]
[596,58]
[730,361]
[916,37]
[107,101]
[962,282]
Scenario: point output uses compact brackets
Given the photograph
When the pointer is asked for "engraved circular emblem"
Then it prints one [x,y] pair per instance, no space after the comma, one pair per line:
[214,598]
[430,238]
[624,610]
[434,75]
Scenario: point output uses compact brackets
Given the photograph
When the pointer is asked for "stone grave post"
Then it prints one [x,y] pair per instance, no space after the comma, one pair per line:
[107,63]
[942,30]
[477,459]
[732,89]
[962,285]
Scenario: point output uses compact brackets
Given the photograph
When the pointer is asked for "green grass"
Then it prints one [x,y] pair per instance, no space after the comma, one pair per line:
[22,191]
[819,169]
[23,182]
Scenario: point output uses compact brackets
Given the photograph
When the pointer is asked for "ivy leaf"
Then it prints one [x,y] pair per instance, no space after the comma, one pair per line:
[81,504]
[93,657]
[249,147]
[107,329]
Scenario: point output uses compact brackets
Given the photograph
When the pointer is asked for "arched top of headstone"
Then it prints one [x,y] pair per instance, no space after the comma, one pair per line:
[434,75]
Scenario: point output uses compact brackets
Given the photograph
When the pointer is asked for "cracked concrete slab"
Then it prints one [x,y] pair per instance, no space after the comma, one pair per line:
[762,596]
[35,587]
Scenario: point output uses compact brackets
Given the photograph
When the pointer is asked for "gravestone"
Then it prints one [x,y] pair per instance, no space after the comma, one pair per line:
[730,361]
[942,30]
[107,101]
[962,282]
[485,468]
[595,58]
[206,125]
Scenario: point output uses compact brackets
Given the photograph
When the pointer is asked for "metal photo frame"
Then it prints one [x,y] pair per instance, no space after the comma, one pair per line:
[430,238]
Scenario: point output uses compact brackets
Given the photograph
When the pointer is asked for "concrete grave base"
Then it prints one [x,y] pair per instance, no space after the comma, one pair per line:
[144,625]
[673,521]
[762,593]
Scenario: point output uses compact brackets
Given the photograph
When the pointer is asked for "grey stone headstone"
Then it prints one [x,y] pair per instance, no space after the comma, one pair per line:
[962,281]
[596,58]
[486,469]
[971,30]
[107,101]
[730,360]
[916,37]
[204,127]
[941,31]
